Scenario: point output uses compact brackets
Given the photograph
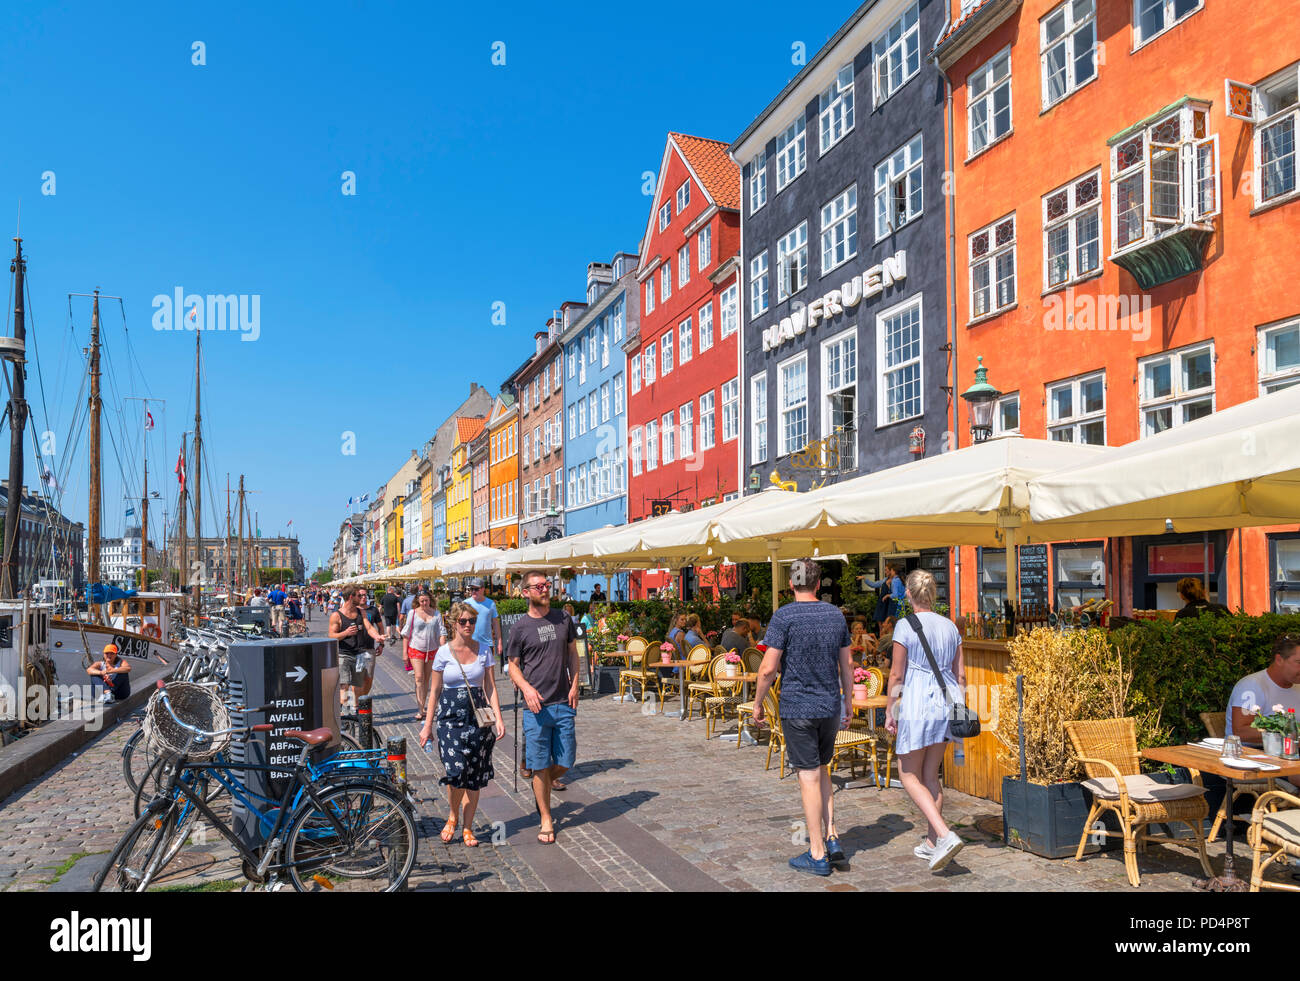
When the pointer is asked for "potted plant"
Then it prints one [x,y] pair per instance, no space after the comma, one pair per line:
[1274,727]
[622,643]
[730,664]
[666,652]
[860,676]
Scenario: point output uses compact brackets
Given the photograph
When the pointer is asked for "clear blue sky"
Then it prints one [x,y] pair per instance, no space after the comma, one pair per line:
[474,184]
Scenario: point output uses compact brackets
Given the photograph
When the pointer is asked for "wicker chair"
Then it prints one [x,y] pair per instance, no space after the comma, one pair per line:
[1107,748]
[642,674]
[776,736]
[700,685]
[753,659]
[726,695]
[876,682]
[672,683]
[1216,725]
[851,741]
[1274,835]
[636,645]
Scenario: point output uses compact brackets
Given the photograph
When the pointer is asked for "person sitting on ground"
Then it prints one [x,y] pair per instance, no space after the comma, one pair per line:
[115,672]
[1265,690]
[736,637]
[1192,591]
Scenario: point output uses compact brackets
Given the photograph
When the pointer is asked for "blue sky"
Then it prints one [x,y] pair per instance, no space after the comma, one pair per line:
[474,184]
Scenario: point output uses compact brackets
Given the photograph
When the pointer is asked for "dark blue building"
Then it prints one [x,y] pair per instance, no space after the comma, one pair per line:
[845,360]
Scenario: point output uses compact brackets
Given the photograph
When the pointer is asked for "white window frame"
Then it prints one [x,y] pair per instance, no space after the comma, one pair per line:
[758,181]
[685,347]
[582,416]
[684,265]
[1006,400]
[758,417]
[573,476]
[604,402]
[759,284]
[573,429]
[835,109]
[906,34]
[1271,379]
[572,362]
[704,247]
[635,451]
[666,280]
[987,98]
[668,443]
[620,396]
[1071,220]
[1261,107]
[1073,423]
[849,334]
[708,421]
[903,169]
[555,374]
[650,351]
[1067,41]
[705,317]
[686,430]
[792,262]
[665,215]
[990,258]
[784,447]
[839,229]
[729,310]
[1180,396]
[634,366]
[604,345]
[682,198]
[730,410]
[618,321]
[650,294]
[791,153]
[666,355]
[884,370]
[1171,19]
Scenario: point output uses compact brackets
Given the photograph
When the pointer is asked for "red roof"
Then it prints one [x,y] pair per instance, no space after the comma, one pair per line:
[966,15]
[713,166]
[468,428]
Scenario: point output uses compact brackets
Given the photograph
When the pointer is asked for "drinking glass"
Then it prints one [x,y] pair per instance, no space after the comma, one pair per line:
[1231,748]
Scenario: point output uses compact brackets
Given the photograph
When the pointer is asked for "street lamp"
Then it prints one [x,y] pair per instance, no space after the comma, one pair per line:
[981,398]
[755,480]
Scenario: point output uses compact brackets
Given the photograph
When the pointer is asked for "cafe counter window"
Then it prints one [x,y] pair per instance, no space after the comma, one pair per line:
[1160,561]
[1080,574]
[993,579]
[1284,559]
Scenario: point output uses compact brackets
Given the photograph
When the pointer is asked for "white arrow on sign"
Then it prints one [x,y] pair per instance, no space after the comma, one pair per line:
[297,674]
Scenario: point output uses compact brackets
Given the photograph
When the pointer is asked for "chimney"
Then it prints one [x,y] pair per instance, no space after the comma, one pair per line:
[599,276]
[473,386]
[541,337]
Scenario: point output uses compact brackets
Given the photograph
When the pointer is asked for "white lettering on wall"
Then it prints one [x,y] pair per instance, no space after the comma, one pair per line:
[863,286]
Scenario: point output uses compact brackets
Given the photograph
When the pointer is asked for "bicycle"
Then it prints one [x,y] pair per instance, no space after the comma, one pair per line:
[348,831]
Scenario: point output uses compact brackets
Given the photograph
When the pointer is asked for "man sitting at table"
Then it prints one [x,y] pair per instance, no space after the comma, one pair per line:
[1275,685]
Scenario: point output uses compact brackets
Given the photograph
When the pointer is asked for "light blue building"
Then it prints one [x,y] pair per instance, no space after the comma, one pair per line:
[441,481]
[595,409]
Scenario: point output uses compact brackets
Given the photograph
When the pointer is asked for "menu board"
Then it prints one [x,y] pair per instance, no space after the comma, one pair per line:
[1033,574]
[935,561]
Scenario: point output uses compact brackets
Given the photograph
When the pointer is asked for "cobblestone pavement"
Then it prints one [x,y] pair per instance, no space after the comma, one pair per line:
[652,806]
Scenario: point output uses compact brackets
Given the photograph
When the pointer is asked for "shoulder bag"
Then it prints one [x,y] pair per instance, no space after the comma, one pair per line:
[963,722]
[478,702]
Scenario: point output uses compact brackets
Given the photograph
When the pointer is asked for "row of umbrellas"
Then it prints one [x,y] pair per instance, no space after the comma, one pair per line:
[1236,468]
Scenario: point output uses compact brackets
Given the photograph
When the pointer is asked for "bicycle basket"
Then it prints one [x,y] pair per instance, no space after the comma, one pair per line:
[195,705]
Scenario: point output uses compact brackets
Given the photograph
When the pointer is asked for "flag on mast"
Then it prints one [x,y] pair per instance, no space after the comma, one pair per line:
[180,470]
[148,420]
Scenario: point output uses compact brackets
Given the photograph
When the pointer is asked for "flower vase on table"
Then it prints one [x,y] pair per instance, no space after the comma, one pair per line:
[1274,727]
[859,693]
[731,665]
[666,652]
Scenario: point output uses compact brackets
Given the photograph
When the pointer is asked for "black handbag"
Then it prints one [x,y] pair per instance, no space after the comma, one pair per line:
[963,722]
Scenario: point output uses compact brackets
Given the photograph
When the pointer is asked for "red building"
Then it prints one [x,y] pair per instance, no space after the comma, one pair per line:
[683,363]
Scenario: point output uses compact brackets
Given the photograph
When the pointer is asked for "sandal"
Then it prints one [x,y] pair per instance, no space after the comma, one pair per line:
[556,785]
[448,831]
[524,772]
[468,837]
[546,837]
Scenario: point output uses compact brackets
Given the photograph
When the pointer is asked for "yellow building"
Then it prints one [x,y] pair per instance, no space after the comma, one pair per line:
[459,508]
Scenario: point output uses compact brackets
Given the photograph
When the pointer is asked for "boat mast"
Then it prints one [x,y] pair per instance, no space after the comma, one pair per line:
[230,580]
[17,429]
[241,579]
[184,551]
[96,405]
[198,473]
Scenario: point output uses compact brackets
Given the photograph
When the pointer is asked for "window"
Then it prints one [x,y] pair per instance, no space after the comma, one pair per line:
[573,476]
[684,352]
[1080,574]
[993,268]
[555,372]
[1006,416]
[707,421]
[666,280]
[729,308]
[572,366]
[898,354]
[582,416]
[897,54]
[758,418]
[592,344]
[665,215]
[792,379]
[1273,109]
[604,345]
[1177,387]
[546,380]
[840,229]
[791,153]
[835,109]
[792,262]
[686,431]
[758,284]
[667,434]
[989,91]
[683,196]
[618,394]
[684,265]
[546,435]
[1068,38]
[582,364]
[899,195]
[537,442]
[1153,17]
[1284,557]
[618,322]
[593,482]
[1279,357]
[704,247]
[758,181]
[651,445]
[650,363]
[650,294]
[635,366]
[730,409]
[536,400]
[636,452]
[1076,410]
[591,410]
[620,483]
[1163,178]
[604,402]
[538,506]
[840,389]
[666,354]
[706,326]
[1072,231]
[546,492]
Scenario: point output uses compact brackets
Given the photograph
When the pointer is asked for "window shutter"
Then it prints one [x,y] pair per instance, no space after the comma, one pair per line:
[1241,101]
[1157,207]
[1208,189]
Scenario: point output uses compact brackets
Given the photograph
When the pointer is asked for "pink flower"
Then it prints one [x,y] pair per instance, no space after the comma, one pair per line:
[860,675]
[732,657]
[622,638]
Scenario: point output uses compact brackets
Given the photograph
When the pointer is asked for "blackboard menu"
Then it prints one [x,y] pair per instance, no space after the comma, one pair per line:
[935,561]
[1033,574]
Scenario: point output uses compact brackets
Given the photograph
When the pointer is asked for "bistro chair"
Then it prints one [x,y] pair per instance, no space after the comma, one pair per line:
[699,687]
[776,737]
[1107,748]
[642,674]
[1216,725]
[672,683]
[1274,836]
[875,683]
[753,659]
[851,741]
[635,645]
[726,695]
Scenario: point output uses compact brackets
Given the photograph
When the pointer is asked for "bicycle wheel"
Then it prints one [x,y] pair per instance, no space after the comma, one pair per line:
[138,758]
[350,732]
[374,853]
[154,784]
[138,858]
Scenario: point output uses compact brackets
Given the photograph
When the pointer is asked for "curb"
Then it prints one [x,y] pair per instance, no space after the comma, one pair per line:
[37,753]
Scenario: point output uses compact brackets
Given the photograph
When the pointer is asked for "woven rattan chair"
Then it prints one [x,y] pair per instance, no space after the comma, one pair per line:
[636,645]
[726,695]
[1216,725]
[671,684]
[776,736]
[1107,748]
[1274,836]
[641,673]
[753,659]
[884,738]
[700,685]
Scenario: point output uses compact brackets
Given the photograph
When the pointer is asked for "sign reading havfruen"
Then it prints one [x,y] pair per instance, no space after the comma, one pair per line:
[865,285]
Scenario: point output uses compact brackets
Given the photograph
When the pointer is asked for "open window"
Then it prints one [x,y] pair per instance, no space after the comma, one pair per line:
[1272,108]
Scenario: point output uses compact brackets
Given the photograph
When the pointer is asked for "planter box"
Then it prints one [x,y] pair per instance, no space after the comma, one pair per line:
[607,679]
[1048,821]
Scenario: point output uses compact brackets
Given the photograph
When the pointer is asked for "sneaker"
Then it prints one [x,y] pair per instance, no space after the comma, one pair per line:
[924,850]
[945,849]
[813,866]
[834,853]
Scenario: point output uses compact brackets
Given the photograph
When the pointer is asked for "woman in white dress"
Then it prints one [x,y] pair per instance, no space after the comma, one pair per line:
[918,712]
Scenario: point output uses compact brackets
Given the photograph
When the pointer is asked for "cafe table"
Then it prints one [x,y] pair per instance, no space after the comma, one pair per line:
[869,705]
[685,680]
[1208,761]
[625,656]
[746,678]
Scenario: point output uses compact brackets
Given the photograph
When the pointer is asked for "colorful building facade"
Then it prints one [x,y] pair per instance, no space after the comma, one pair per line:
[503,472]
[479,466]
[459,507]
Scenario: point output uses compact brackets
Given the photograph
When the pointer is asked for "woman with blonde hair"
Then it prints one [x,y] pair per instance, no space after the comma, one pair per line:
[918,711]
[461,676]
[423,635]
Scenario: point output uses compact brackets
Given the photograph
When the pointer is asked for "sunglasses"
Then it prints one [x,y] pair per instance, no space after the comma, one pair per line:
[542,586]
[466,621]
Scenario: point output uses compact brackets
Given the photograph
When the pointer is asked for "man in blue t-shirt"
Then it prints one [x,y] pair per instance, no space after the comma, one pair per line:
[277,598]
[808,643]
[487,630]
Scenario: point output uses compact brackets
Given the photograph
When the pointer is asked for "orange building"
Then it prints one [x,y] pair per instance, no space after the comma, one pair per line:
[503,474]
[1125,211]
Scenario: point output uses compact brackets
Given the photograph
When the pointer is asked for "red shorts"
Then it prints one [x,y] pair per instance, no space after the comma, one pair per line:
[415,655]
